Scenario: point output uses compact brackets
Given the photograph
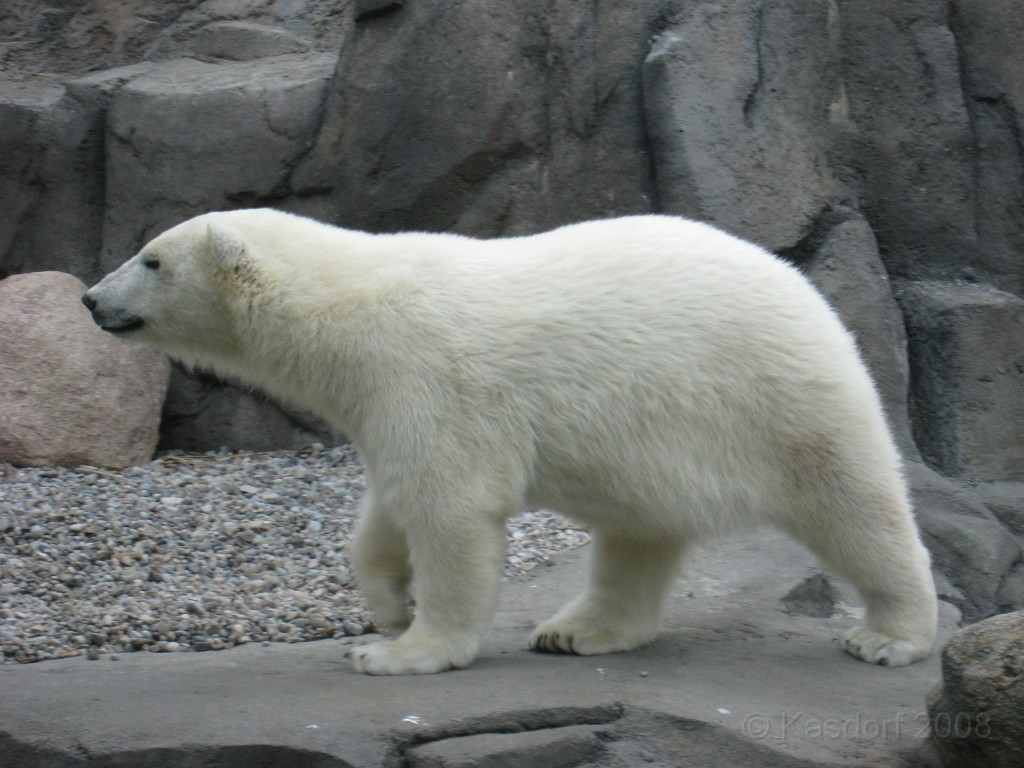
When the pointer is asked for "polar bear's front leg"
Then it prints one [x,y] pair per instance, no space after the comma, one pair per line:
[456,566]
[418,652]
[621,606]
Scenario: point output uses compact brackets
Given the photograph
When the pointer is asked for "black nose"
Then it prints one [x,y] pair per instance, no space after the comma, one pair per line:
[89,301]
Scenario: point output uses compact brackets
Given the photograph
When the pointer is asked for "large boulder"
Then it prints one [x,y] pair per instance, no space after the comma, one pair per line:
[740,103]
[69,392]
[977,712]
[912,150]
[967,359]
[485,118]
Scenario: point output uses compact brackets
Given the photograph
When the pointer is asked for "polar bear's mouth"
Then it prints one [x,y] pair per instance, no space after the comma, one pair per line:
[124,326]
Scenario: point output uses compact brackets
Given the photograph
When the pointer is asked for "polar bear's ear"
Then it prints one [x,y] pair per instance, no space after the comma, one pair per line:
[227,245]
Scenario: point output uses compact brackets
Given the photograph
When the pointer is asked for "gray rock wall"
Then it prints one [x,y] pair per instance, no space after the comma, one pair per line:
[876,144]
[886,136]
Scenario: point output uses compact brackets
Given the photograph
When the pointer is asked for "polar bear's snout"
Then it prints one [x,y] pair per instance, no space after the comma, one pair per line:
[111,319]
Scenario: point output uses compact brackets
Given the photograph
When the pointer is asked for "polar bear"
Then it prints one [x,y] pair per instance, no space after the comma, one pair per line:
[652,377]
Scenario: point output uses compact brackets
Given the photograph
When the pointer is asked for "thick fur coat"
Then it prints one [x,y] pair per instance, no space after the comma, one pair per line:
[659,380]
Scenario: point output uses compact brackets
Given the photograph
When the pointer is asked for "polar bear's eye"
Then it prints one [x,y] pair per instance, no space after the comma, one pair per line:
[151,262]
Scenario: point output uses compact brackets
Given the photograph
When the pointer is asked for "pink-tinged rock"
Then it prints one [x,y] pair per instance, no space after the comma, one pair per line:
[70,393]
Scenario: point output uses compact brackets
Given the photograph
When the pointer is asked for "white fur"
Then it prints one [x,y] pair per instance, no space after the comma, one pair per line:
[657,379]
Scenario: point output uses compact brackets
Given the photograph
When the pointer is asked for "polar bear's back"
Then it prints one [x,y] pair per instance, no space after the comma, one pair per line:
[646,274]
[634,296]
[656,353]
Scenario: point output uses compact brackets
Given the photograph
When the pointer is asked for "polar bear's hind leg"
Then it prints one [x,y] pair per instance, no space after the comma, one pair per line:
[871,541]
[621,606]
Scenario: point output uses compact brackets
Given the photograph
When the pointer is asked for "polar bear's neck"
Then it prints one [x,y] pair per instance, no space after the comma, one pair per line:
[330,328]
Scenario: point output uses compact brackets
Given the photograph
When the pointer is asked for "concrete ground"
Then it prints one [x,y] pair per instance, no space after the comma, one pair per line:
[733,680]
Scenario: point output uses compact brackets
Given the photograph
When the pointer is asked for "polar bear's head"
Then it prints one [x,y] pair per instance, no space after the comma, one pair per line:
[177,293]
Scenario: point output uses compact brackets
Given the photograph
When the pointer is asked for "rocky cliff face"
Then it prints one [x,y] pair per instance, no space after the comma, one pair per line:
[877,144]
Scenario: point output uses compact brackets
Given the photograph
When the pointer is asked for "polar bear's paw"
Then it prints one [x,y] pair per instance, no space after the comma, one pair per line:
[586,636]
[879,648]
[402,657]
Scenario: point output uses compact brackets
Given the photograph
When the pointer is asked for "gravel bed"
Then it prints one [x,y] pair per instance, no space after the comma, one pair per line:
[196,553]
